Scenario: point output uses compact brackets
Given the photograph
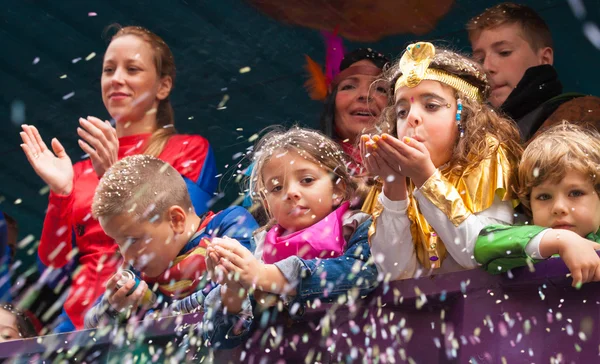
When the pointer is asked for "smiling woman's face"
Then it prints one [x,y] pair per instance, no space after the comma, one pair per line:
[358,103]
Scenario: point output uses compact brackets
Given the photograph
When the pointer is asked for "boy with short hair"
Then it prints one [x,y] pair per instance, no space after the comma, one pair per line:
[143,204]
[514,45]
[559,182]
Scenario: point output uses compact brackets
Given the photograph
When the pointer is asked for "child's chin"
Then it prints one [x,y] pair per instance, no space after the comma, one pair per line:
[152,272]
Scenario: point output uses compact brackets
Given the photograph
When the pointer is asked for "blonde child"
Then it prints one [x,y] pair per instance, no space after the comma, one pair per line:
[314,246]
[144,205]
[559,182]
[446,169]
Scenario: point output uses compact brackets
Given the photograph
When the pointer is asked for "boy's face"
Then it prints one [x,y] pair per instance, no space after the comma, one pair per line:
[148,246]
[505,56]
[571,204]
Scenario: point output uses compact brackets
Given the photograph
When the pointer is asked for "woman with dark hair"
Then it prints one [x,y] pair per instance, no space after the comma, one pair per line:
[138,74]
[355,101]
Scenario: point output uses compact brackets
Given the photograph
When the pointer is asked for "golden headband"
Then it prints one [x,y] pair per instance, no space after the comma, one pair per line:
[414,66]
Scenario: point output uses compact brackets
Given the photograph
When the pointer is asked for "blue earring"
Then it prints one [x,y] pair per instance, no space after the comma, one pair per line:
[459,108]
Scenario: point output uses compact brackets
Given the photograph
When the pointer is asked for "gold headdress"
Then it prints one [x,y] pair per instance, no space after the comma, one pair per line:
[414,66]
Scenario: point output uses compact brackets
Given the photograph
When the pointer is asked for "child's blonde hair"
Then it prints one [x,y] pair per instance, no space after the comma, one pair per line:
[140,184]
[563,148]
[478,120]
[309,144]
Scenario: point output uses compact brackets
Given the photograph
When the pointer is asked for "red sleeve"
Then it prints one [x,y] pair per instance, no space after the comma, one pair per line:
[56,241]
[187,154]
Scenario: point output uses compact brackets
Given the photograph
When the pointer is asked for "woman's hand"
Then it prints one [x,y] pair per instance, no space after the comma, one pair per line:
[54,168]
[100,142]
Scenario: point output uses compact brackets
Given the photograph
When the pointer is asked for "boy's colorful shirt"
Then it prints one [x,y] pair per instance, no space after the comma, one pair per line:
[500,248]
[184,277]
[189,267]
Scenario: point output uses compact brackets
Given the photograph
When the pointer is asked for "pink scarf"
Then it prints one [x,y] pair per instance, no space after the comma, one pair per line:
[324,239]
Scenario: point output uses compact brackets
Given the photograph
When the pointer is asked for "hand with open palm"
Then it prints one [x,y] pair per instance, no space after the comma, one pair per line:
[54,167]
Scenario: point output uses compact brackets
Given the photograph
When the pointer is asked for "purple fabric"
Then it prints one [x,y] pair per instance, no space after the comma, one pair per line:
[523,317]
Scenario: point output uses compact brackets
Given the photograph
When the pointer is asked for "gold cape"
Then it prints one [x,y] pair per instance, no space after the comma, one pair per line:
[456,195]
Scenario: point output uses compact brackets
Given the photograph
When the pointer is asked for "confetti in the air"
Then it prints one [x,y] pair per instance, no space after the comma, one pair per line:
[75,60]
[17,112]
[69,95]
[245,69]
[36,60]
[90,56]
[592,33]
[92,13]
[223,102]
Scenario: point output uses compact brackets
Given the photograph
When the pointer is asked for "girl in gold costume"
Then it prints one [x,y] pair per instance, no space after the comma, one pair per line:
[446,165]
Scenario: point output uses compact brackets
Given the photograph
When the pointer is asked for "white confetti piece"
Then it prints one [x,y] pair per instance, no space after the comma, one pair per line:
[90,56]
[69,95]
[17,112]
[245,69]
[26,241]
[75,60]
[592,33]
[18,201]
[63,76]
[224,100]
[92,13]
[36,60]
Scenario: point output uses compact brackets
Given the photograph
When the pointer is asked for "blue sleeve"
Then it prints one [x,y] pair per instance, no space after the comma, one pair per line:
[4,261]
[97,313]
[327,279]
[247,203]
[3,235]
[234,222]
[202,190]
[220,325]
[5,275]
